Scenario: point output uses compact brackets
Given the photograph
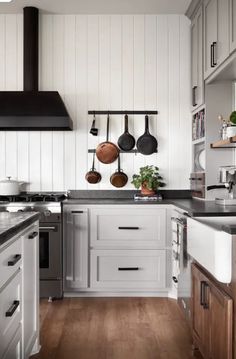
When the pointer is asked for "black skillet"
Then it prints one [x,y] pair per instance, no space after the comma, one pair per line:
[126,141]
[147,144]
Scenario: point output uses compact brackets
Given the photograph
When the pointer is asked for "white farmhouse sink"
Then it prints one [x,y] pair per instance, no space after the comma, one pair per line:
[210,246]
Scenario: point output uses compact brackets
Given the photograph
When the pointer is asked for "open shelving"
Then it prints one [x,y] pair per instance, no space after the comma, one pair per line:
[228,143]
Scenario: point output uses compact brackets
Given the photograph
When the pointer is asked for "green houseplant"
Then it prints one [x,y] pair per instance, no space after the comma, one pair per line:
[148,179]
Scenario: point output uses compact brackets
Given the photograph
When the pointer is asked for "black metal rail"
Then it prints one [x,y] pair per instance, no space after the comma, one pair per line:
[119,112]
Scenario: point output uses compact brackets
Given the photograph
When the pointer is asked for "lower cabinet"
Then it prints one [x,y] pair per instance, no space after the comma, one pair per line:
[30,242]
[128,269]
[115,248]
[15,347]
[75,223]
[212,317]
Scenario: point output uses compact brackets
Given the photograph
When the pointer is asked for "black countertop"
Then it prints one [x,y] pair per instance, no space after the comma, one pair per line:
[12,223]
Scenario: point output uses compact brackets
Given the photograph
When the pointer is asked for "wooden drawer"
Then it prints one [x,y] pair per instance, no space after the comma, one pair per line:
[128,227]
[10,311]
[10,261]
[128,269]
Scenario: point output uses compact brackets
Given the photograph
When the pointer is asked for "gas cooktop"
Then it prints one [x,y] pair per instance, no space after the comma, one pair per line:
[33,197]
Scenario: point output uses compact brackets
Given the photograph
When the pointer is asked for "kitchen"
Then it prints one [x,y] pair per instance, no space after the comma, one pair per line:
[90,266]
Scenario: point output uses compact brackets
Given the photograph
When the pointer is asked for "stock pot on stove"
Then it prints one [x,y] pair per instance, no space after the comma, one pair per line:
[10,187]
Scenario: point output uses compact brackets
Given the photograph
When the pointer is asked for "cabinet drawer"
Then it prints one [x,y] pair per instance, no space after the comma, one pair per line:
[14,349]
[10,311]
[128,227]
[128,269]
[10,261]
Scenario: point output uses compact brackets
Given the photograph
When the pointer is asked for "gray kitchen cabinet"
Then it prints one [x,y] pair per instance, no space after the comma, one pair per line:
[197,60]
[232,24]
[75,222]
[216,34]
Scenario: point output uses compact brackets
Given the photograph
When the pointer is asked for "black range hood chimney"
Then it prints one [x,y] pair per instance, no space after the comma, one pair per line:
[31,109]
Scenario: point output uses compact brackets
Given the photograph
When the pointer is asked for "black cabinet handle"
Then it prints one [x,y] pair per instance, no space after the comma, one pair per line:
[134,228]
[12,309]
[214,62]
[212,55]
[203,301]
[128,268]
[16,259]
[33,235]
[175,280]
[77,211]
[194,96]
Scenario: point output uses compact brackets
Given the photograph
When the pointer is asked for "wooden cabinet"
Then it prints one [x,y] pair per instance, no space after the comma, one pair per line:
[197,60]
[232,24]
[216,34]
[75,248]
[212,317]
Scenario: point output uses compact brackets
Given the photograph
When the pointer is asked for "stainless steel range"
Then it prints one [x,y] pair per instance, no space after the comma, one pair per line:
[50,235]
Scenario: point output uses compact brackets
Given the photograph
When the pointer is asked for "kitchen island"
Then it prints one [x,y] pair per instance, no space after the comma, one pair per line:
[19,285]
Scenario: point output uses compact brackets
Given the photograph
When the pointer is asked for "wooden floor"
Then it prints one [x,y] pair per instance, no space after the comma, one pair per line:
[113,328]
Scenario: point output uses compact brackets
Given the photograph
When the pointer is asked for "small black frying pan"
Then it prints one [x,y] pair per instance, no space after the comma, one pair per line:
[126,141]
[147,144]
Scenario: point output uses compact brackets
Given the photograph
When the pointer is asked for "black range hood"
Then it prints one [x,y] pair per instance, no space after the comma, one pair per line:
[31,109]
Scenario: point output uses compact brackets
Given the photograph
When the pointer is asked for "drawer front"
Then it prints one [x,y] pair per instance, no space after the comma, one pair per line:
[10,261]
[128,269]
[128,227]
[14,349]
[10,311]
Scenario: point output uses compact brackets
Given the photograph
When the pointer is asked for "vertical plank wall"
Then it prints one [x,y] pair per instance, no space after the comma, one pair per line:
[101,62]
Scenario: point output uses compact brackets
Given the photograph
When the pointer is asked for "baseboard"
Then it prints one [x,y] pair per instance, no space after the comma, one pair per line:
[164,294]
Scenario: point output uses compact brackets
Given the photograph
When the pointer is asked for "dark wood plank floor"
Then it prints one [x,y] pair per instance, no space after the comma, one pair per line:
[113,328]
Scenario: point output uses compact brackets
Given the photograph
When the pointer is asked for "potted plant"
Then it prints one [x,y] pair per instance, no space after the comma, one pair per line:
[148,179]
[231,129]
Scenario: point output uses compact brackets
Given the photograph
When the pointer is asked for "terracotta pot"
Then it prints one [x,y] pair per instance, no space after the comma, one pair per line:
[146,191]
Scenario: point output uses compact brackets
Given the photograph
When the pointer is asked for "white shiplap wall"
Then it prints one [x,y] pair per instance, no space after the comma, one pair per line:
[101,62]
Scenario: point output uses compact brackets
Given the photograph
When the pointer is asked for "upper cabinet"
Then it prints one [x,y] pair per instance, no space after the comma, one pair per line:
[197,60]
[216,34]
[232,23]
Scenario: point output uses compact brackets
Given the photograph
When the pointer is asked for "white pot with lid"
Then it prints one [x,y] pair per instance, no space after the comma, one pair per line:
[10,187]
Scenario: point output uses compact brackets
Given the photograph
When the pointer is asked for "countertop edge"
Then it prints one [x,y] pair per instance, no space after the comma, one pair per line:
[12,231]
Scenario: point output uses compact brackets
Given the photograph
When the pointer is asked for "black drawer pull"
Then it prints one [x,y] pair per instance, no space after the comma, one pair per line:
[175,280]
[134,228]
[12,308]
[16,259]
[33,235]
[128,268]
[77,211]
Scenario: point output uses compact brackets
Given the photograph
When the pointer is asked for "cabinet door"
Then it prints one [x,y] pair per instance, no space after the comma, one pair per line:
[222,45]
[197,60]
[14,349]
[200,314]
[221,319]
[232,24]
[30,241]
[210,36]
[76,249]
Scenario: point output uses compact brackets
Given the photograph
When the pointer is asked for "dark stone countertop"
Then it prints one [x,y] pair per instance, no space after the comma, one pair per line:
[11,223]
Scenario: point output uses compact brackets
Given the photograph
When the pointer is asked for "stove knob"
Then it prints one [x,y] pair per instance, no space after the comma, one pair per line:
[47,213]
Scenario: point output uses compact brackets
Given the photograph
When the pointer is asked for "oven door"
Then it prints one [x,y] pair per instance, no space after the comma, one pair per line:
[50,251]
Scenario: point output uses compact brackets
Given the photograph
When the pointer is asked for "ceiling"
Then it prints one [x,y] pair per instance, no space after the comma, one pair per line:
[99,6]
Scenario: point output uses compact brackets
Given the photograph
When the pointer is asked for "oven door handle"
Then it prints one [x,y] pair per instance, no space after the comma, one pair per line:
[47,228]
